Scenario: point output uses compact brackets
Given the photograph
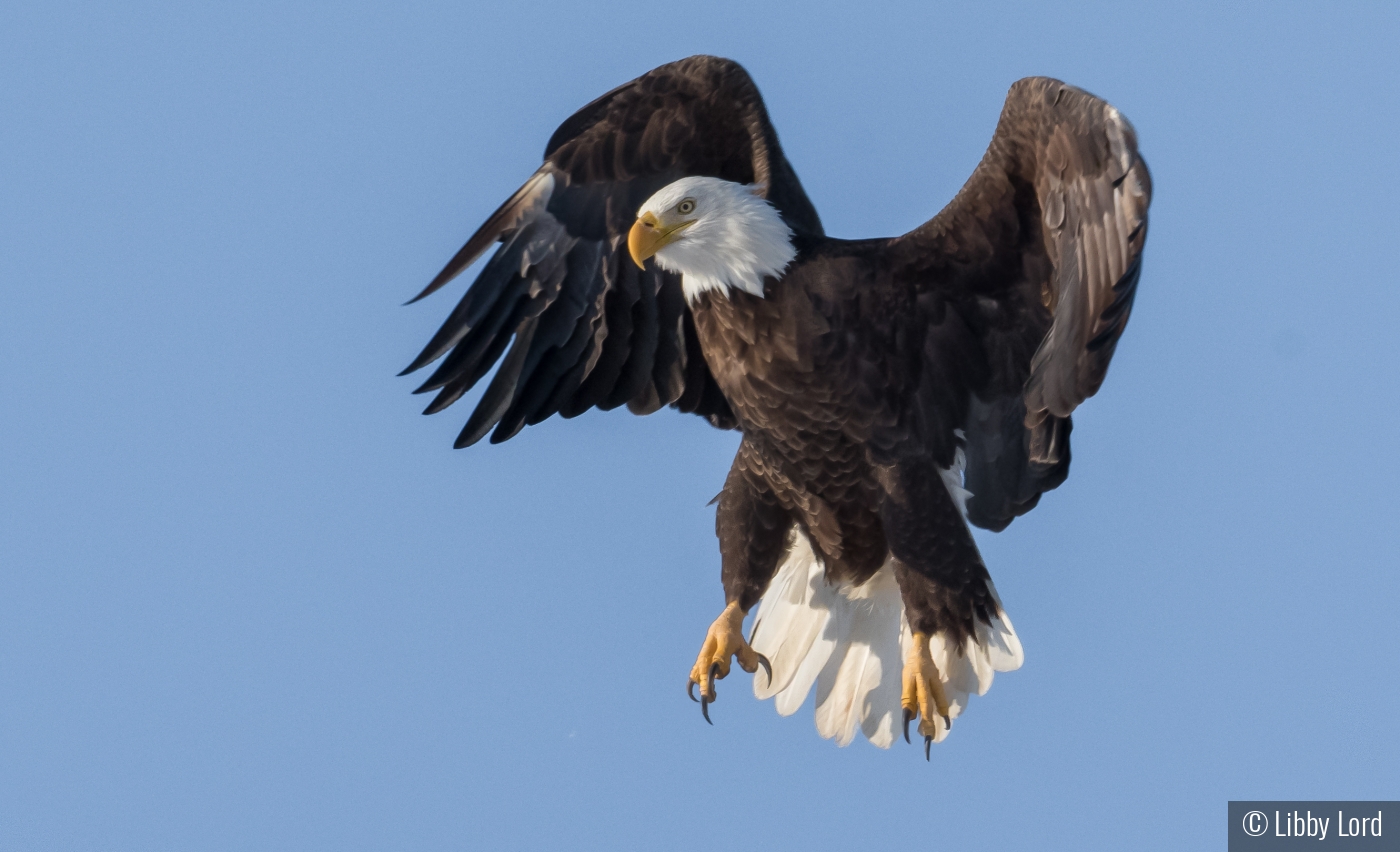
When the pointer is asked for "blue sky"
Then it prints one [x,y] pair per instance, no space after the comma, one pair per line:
[250,599]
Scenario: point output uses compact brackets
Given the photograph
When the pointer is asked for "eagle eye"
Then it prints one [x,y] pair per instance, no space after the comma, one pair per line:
[686,207]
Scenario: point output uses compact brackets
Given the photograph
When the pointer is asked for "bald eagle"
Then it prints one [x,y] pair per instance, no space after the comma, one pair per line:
[887,391]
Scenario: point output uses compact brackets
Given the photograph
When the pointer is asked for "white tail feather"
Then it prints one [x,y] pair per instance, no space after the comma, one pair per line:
[791,626]
[851,642]
[860,687]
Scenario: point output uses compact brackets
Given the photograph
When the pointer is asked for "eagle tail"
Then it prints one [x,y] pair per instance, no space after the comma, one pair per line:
[850,642]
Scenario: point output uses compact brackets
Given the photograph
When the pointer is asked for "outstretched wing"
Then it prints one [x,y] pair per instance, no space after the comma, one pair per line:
[589,327]
[1039,255]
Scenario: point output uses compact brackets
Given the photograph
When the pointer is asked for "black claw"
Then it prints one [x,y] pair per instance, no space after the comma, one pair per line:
[767,668]
[705,702]
[947,723]
[690,690]
[754,631]
[908,717]
[928,741]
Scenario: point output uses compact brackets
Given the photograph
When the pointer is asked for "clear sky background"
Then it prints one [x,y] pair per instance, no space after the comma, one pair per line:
[250,599]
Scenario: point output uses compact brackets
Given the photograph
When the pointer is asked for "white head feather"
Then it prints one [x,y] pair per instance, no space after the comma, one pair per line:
[736,239]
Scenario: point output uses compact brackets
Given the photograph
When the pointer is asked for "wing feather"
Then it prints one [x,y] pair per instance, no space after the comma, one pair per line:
[573,322]
[1040,253]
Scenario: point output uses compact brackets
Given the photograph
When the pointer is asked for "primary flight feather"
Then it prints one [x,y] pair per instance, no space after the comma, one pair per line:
[888,391]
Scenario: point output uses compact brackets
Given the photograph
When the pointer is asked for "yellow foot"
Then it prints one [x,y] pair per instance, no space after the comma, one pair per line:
[725,639]
[923,697]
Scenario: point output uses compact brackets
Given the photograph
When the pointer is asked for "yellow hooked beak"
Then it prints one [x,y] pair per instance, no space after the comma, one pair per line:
[650,235]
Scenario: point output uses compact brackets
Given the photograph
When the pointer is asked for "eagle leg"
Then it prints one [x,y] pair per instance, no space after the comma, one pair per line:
[725,639]
[753,529]
[923,697]
[945,586]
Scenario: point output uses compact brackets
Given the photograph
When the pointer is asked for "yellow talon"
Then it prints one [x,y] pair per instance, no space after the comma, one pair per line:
[725,639]
[923,697]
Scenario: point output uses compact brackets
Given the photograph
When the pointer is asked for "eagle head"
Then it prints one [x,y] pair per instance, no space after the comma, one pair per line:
[716,233]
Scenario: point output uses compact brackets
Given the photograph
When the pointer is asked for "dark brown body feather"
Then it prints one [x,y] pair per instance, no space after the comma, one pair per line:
[865,367]
[818,374]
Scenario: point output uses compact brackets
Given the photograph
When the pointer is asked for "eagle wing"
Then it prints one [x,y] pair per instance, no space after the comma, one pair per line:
[1038,257]
[588,327]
